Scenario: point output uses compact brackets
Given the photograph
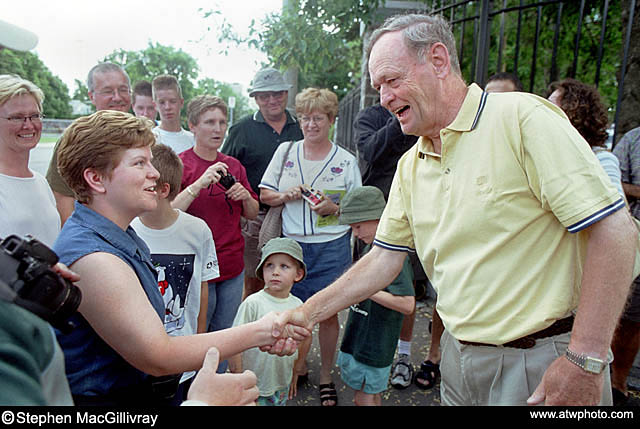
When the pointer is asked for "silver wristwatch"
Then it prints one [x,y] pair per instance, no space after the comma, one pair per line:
[587,363]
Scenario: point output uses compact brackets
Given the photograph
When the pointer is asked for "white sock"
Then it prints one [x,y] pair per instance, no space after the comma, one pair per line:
[404,347]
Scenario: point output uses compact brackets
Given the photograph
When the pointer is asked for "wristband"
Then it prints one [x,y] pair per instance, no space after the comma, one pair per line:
[190,192]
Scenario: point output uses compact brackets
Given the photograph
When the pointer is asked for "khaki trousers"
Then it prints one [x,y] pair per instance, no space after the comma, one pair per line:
[479,375]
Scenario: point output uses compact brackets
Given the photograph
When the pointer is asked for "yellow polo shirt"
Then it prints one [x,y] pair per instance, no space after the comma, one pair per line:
[496,218]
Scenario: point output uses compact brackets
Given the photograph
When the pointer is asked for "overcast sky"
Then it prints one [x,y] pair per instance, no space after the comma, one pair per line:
[75,34]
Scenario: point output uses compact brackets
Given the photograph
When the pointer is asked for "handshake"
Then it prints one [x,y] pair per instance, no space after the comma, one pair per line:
[288,330]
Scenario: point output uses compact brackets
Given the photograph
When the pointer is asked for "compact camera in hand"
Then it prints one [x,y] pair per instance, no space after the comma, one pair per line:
[28,280]
[227,181]
[311,195]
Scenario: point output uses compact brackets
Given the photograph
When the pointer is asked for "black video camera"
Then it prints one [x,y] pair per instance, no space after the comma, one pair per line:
[28,280]
[227,181]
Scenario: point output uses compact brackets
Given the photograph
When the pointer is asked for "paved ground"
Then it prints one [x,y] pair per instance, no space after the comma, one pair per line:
[308,394]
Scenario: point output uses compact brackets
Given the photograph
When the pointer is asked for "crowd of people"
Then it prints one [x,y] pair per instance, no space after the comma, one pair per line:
[509,205]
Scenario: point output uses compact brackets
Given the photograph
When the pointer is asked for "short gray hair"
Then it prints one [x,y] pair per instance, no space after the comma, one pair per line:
[105,68]
[420,32]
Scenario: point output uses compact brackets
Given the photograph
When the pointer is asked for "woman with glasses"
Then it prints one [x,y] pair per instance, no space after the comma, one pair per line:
[216,189]
[26,201]
[331,171]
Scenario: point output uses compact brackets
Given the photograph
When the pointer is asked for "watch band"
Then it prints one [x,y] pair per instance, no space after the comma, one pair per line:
[587,363]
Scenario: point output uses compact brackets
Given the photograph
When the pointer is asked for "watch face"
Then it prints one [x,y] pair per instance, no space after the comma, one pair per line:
[593,365]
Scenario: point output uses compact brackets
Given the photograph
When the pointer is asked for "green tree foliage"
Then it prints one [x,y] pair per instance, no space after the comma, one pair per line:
[319,38]
[547,67]
[225,91]
[81,93]
[155,60]
[28,66]
[158,59]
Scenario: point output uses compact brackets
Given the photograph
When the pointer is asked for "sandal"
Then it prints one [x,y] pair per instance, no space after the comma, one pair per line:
[328,393]
[302,379]
[619,398]
[402,372]
[429,372]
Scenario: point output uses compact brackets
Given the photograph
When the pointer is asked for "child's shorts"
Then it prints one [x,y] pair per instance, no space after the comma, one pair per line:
[359,376]
[278,399]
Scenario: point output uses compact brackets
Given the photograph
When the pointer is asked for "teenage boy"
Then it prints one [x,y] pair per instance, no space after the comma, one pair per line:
[167,95]
[183,253]
[142,102]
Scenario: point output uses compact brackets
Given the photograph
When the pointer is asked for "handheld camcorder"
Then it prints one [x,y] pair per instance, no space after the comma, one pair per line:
[28,280]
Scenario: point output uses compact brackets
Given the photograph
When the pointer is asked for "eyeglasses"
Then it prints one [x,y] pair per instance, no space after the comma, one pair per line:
[315,119]
[19,120]
[264,96]
[122,91]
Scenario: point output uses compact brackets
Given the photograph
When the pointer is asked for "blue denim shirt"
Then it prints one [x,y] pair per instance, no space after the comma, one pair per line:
[93,367]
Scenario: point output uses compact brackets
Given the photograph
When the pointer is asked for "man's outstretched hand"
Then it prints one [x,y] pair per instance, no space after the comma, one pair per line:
[290,328]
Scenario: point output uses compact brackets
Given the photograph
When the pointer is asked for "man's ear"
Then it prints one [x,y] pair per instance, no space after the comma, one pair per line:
[94,179]
[91,96]
[440,60]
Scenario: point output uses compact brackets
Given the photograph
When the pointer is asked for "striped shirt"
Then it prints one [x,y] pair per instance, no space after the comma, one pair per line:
[628,152]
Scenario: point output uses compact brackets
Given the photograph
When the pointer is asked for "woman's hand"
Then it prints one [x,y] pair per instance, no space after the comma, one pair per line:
[65,272]
[291,194]
[284,333]
[276,198]
[210,177]
[238,192]
[325,207]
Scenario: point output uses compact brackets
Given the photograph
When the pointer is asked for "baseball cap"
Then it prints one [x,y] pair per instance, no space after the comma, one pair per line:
[268,79]
[282,245]
[17,38]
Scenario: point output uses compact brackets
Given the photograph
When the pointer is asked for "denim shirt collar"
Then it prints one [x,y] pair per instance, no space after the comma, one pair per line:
[126,241]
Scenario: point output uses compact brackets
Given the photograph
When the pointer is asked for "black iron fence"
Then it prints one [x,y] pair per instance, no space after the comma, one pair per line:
[540,41]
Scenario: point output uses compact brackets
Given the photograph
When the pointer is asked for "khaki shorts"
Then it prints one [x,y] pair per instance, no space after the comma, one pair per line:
[250,231]
[482,375]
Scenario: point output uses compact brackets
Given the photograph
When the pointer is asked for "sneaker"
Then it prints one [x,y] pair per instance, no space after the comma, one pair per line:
[402,372]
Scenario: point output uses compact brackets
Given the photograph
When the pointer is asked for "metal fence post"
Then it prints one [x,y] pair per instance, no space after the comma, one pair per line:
[483,44]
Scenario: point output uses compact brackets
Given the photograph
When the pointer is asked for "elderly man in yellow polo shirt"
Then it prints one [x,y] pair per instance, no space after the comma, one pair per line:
[529,246]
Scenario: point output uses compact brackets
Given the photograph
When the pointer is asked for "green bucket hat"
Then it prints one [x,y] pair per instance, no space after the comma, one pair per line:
[361,204]
[282,245]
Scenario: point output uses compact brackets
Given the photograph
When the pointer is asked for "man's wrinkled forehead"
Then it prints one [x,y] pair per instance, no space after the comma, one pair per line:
[109,77]
[387,56]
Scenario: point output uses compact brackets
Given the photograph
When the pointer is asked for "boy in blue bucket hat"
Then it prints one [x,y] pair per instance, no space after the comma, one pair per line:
[281,265]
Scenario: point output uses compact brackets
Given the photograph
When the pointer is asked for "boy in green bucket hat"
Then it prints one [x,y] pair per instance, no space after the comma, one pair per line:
[373,328]
[281,266]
